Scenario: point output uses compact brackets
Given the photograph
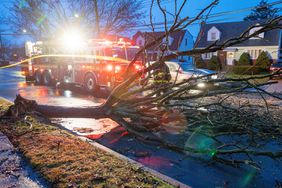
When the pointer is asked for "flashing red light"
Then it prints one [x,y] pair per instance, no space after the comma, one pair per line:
[138,67]
[23,73]
[109,67]
[117,68]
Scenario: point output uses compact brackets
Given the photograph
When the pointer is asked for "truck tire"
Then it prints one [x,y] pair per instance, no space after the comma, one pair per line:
[47,78]
[29,78]
[90,83]
[38,78]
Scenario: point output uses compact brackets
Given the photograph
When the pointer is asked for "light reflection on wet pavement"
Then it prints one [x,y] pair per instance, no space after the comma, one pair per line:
[188,170]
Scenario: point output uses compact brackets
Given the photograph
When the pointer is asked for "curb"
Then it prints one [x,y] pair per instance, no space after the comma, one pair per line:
[139,165]
[122,157]
[155,173]
[4,99]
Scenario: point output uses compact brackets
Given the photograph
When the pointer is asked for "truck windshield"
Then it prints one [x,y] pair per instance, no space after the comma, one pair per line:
[124,53]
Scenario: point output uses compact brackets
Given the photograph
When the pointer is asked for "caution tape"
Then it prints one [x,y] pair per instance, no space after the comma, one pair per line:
[105,58]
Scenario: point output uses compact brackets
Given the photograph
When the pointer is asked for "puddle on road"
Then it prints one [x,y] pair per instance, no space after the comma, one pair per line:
[90,128]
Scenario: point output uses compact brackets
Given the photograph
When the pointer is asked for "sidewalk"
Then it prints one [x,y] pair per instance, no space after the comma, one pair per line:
[13,171]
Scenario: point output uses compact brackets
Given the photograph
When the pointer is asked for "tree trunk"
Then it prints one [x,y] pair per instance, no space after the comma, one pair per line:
[97,19]
[23,106]
[70,112]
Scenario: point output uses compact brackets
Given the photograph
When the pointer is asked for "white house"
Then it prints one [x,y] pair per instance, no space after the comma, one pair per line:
[269,42]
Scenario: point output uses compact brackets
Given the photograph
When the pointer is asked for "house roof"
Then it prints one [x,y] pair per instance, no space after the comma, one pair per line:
[235,29]
[151,36]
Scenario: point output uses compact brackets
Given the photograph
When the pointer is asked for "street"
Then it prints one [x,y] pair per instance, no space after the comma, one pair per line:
[176,165]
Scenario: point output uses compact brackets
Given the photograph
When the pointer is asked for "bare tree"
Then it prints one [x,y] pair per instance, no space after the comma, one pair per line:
[43,18]
[214,114]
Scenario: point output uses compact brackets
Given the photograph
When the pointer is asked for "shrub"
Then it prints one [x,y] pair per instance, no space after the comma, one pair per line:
[214,63]
[235,62]
[263,61]
[247,70]
[199,63]
[245,59]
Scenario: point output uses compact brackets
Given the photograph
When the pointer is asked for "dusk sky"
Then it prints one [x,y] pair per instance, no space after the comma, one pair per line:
[191,9]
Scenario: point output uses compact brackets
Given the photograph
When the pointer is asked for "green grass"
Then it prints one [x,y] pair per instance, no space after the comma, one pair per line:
[66,161]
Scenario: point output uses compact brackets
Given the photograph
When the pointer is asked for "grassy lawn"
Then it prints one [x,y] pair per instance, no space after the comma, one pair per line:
[255,81]
[66,161]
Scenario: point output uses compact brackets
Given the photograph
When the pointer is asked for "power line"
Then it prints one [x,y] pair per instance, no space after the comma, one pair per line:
[149,3]
[216,14]
[196,23]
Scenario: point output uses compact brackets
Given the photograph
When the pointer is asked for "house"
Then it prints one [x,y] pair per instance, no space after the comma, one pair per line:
[220,32]
[177,42]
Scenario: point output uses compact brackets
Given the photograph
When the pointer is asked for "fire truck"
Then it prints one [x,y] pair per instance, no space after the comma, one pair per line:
[99,63]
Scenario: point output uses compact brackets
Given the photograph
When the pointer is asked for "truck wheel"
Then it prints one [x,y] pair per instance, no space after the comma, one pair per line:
[29,78]
[38,78]
[90,83]
[47,79]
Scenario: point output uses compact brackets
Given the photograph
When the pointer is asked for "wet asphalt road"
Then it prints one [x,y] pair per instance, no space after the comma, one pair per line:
[176,165]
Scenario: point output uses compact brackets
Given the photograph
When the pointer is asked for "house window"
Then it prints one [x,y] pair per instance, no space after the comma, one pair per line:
[213,36]
[254,54]
[207,55]
[186,42]
[168,41]
[140,42]
[255,29]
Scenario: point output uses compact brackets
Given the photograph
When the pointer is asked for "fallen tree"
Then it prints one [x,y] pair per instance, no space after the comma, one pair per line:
[234,128]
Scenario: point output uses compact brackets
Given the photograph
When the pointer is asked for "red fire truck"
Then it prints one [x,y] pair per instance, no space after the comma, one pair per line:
[96,64]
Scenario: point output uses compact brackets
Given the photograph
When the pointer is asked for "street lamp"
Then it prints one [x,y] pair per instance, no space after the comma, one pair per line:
[24,31]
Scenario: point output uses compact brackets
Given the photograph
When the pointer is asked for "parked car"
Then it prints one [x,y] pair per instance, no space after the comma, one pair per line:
[179,75]
[276,67]
[202,72]
[177,72]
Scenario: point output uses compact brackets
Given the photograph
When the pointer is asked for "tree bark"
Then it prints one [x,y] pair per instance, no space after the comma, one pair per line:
[71,112]
[23,106]
[97,19]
